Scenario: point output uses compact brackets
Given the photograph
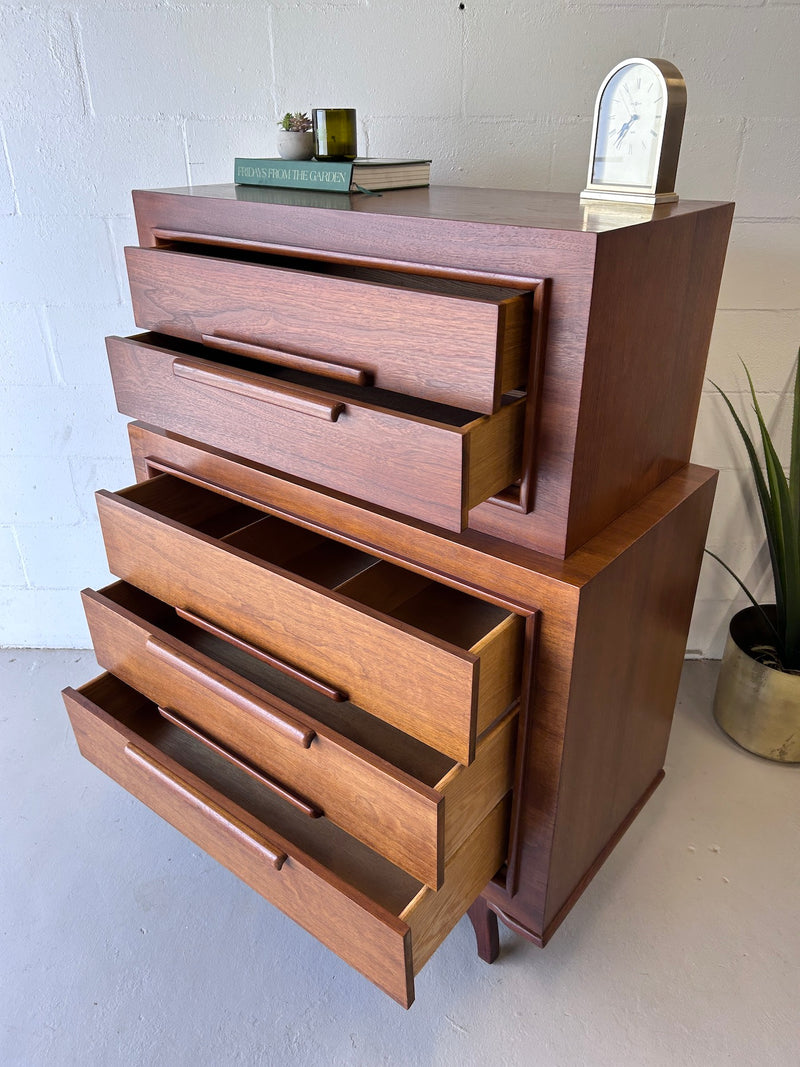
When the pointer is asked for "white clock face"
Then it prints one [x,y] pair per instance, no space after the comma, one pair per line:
[629,128]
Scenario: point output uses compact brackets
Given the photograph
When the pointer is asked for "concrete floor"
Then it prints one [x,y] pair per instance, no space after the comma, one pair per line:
[122,943]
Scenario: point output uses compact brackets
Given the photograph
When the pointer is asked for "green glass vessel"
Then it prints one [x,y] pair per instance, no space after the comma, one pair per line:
[334,134]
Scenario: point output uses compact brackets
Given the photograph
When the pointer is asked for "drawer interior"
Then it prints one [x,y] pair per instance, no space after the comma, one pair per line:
[386,885]
[386,399]
[401,750]
[370,275]
[413,600]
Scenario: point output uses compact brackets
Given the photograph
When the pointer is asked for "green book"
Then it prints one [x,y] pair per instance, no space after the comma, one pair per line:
[362,174]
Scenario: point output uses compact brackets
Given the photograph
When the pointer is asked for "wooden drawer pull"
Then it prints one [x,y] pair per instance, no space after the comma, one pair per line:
[263,779]
[186,665]
[247,383]
[336,371]
[208,807]
[266,657]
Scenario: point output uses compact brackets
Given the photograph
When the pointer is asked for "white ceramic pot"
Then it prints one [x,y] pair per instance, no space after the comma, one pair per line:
[295,145]
[756,705]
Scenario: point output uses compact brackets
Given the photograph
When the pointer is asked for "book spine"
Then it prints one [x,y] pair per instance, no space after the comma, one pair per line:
[292,174]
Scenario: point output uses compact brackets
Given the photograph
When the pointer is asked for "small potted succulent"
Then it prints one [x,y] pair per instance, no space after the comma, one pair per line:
[757,701]
[295,136]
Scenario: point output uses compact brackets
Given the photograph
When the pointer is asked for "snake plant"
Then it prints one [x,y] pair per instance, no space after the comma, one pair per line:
[779,498]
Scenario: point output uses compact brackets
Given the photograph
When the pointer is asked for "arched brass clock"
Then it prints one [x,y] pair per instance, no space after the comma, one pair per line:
[636,136]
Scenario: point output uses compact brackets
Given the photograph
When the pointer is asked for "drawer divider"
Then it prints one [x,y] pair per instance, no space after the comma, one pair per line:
[302,805]
[247,837]
[177,658]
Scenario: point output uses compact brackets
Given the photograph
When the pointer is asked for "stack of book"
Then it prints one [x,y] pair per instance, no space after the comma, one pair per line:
[362,175]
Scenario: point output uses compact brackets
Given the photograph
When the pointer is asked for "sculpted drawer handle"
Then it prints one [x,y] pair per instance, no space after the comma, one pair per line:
[247,383]
[208,807]
[279,790]
[266,657]
[178,659]
[339,372]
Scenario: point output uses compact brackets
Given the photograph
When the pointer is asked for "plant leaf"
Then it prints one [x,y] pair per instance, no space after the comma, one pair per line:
[761,488]
[787,541]
[794,453]
[750,596]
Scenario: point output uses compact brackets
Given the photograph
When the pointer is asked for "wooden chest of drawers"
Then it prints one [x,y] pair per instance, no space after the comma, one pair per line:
[408,569]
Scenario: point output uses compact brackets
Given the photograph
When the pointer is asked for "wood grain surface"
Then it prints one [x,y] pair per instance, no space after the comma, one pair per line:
[434,470]
[613,272]
[376,783]
[465,349]
[421,683]
[372,915]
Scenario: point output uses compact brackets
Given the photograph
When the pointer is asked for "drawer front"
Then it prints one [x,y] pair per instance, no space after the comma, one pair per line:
[418,466]
[453,342]
[372,637]
[372,915]
[412,805]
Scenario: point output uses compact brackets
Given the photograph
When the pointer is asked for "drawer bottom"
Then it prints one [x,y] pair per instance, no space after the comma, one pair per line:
[376,917]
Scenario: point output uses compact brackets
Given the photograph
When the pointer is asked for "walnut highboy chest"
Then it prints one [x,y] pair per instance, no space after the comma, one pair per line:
[407,572]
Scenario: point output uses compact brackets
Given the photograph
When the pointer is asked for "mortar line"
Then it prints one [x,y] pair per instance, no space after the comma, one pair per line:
[18,545]
[271,45]
[186,163]
[56,366]
[80,59]
[10,169]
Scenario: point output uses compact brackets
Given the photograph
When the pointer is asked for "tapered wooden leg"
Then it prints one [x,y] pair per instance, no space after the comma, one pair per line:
[484,923]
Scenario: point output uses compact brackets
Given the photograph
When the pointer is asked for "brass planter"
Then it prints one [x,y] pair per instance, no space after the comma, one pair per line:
[757,706]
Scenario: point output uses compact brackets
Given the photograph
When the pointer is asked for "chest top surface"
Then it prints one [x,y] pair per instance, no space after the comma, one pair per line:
[506,207]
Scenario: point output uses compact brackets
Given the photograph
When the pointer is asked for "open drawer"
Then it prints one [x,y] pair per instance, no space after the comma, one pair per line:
[451,341]
[435,662]
[403,799]
[373,915]
[420,458]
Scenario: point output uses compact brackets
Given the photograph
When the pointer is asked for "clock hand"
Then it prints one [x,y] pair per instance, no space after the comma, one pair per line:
[624,129]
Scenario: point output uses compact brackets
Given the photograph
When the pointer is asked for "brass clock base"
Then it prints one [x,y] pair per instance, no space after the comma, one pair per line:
[629,198]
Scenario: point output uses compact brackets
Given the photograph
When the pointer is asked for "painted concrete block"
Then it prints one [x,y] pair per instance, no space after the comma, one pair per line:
[198,60]
[769,179]
[767,341]
[24,357]
[12,572]
[736,61]
[106,472]
[717,442]
[89,165]
[41,72]
[60,420]
[213,144]
[79,561]
[749,560]
[471,152]
[736,515]
[516,58]
[36,489]
[35,618]
[762,268]
[79,340]
[570,167]
[392,58]
[709,157]
[123,233]
[8,203]
[53,260]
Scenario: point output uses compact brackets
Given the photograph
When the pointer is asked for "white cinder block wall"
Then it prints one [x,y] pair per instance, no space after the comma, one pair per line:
[99,97]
